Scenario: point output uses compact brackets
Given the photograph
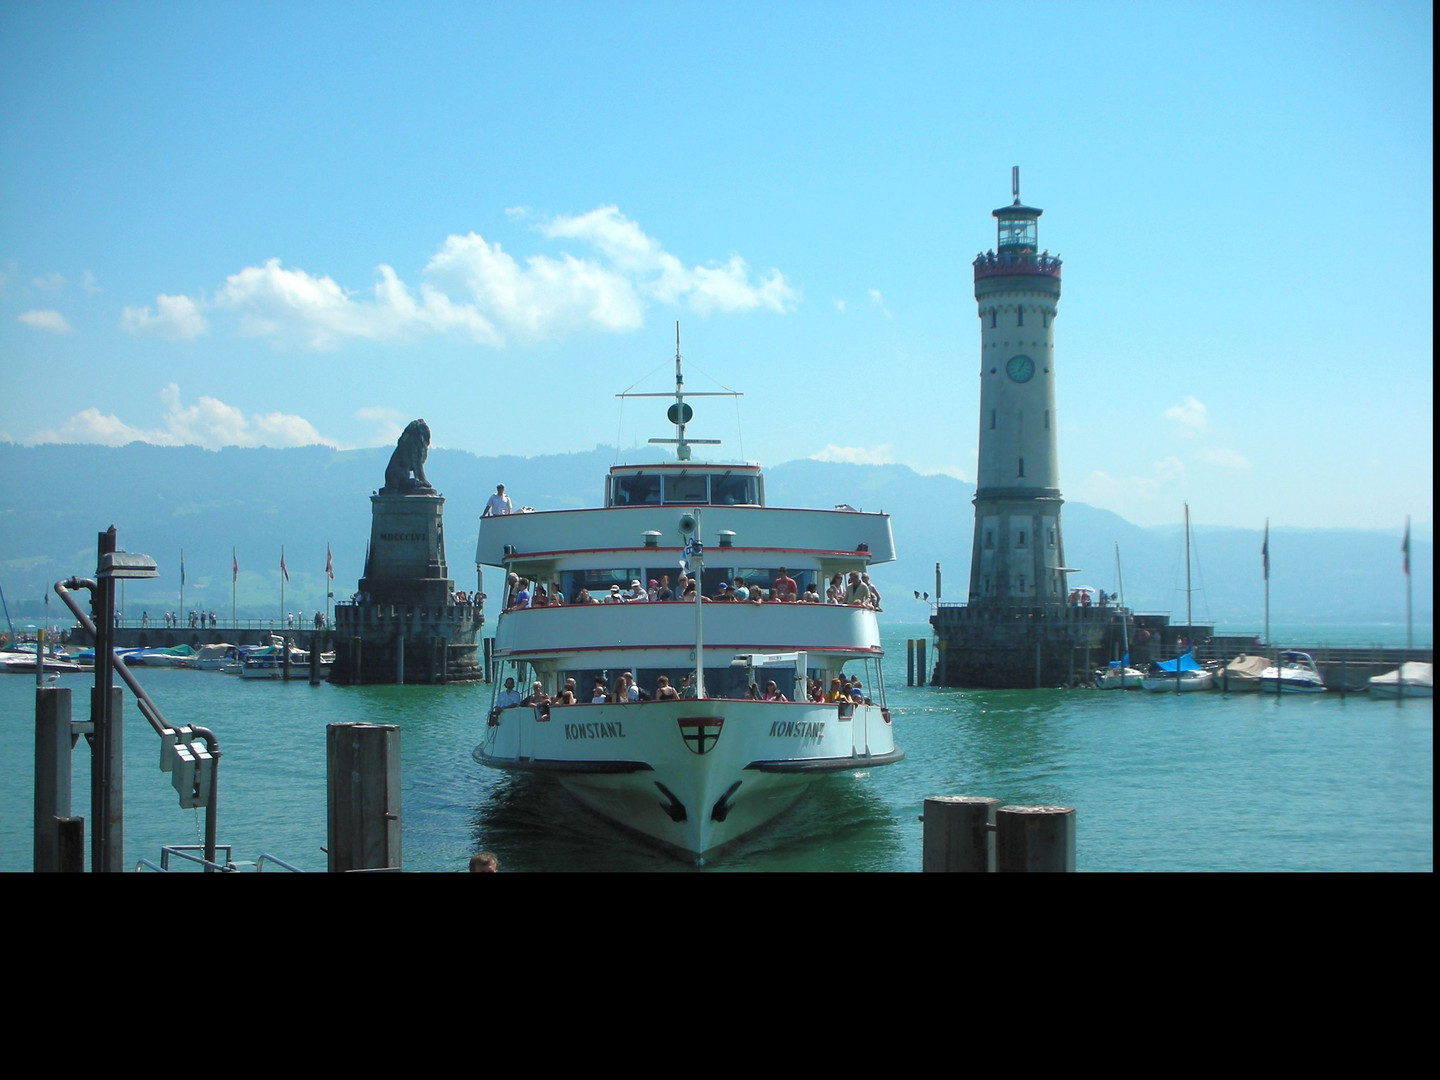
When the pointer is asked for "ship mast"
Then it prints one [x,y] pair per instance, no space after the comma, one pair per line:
[680,413]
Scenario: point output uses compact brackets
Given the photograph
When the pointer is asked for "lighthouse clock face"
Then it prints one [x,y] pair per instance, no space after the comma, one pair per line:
[1020,368]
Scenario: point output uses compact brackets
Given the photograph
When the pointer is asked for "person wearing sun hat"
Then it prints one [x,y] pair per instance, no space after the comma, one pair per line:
[616,596]
[653,592]
[637,593]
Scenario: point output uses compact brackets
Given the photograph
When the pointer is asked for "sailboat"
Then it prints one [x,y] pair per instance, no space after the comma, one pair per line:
[1118,674]
[1182,673]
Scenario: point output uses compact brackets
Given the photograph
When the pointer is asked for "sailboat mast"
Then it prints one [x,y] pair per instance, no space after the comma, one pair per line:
[1124,619]
[1189,619]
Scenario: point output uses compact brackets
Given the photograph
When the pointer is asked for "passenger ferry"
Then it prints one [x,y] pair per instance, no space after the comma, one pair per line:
[747,737]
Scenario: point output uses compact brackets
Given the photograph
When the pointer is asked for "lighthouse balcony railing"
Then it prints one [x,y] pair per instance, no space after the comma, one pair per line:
[989,264]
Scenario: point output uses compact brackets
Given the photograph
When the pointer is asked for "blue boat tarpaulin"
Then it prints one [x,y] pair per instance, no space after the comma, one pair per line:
[1186,662]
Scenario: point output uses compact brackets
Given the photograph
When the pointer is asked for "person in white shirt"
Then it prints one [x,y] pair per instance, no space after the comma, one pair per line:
[508,697]
[498,505]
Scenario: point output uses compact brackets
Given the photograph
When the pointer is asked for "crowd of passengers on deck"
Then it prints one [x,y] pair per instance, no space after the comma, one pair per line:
[626,691]
[854,590]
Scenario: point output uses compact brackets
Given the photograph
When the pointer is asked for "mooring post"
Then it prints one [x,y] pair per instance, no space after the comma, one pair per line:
[400,658]
[52,775]
[314,662]
[1035,839]
[363,796]
[922,677]
[909,661]
[70,845]
[959,835]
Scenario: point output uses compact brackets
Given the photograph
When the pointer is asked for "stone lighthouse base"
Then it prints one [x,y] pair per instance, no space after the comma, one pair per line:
[1000,647]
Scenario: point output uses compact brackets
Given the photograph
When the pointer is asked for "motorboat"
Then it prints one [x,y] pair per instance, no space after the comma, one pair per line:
[1414,678]
[210,657]
[686,751]
[174,656]
[1180,675]
[270,661]
[1295,673]
[1242,674]
[1119,675]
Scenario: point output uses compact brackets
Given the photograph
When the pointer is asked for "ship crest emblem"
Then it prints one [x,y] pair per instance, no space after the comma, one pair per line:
[701,733]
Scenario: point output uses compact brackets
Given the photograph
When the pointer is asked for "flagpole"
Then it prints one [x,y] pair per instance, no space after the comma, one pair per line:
[282,588]
[1409,626]
[182,581]
[234,573]
[1267,581]
[329,577]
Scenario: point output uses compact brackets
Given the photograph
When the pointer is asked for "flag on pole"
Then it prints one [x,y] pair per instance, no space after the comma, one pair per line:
[234,567]
[282,563]
[182,567]
[1405,547]
[1265,551]
[329,566]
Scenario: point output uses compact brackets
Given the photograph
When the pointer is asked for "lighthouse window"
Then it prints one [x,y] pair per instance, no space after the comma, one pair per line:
[1020,539]
[1052,537]
[1047,419]
[1022,467]
[992,419]
[1022,584]
[1019,316]
[989,539]
[992,318]
[1045,318]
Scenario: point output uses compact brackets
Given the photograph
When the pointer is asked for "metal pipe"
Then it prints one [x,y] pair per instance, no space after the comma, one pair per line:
[148,708]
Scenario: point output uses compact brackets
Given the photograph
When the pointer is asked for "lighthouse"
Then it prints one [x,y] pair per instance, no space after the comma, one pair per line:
[1018,556]
[1016,627]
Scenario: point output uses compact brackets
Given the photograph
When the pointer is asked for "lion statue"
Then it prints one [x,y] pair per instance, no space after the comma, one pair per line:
[409,457]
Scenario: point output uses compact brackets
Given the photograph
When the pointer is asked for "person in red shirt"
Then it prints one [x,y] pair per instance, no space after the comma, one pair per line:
[783,587]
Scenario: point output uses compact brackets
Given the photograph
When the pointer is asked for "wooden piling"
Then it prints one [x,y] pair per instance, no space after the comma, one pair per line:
[909,661]
[959,835]
[52,775]
[363,796]
[1035,839]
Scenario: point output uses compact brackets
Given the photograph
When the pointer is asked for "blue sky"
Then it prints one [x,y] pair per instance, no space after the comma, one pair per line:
[277,224]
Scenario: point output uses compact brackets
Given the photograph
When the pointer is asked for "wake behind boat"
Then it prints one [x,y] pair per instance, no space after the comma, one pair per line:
[694,720]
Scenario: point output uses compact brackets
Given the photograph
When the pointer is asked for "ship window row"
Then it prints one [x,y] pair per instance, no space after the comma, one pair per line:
[688,489]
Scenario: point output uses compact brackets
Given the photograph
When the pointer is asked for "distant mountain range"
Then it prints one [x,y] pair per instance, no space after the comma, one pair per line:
[55,499]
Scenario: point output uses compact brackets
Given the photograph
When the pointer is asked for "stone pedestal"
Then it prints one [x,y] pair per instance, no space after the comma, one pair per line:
[405,626]
[406,563]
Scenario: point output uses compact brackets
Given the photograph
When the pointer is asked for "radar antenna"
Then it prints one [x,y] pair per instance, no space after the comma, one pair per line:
[681,413]
[1015,183]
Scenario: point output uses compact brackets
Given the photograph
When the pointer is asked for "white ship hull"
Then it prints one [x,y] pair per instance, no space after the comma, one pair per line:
[693,775]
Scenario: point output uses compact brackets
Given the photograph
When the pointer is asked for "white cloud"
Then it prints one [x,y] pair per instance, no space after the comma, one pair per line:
[876,300]
[51,321]
[840,306]
[724,287]
[174,317]
[90,284]
[475,288]
[543,298]
[389,423]
[1223,457]
[1191,416]
[51,282]
[209,423]
[855,455]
